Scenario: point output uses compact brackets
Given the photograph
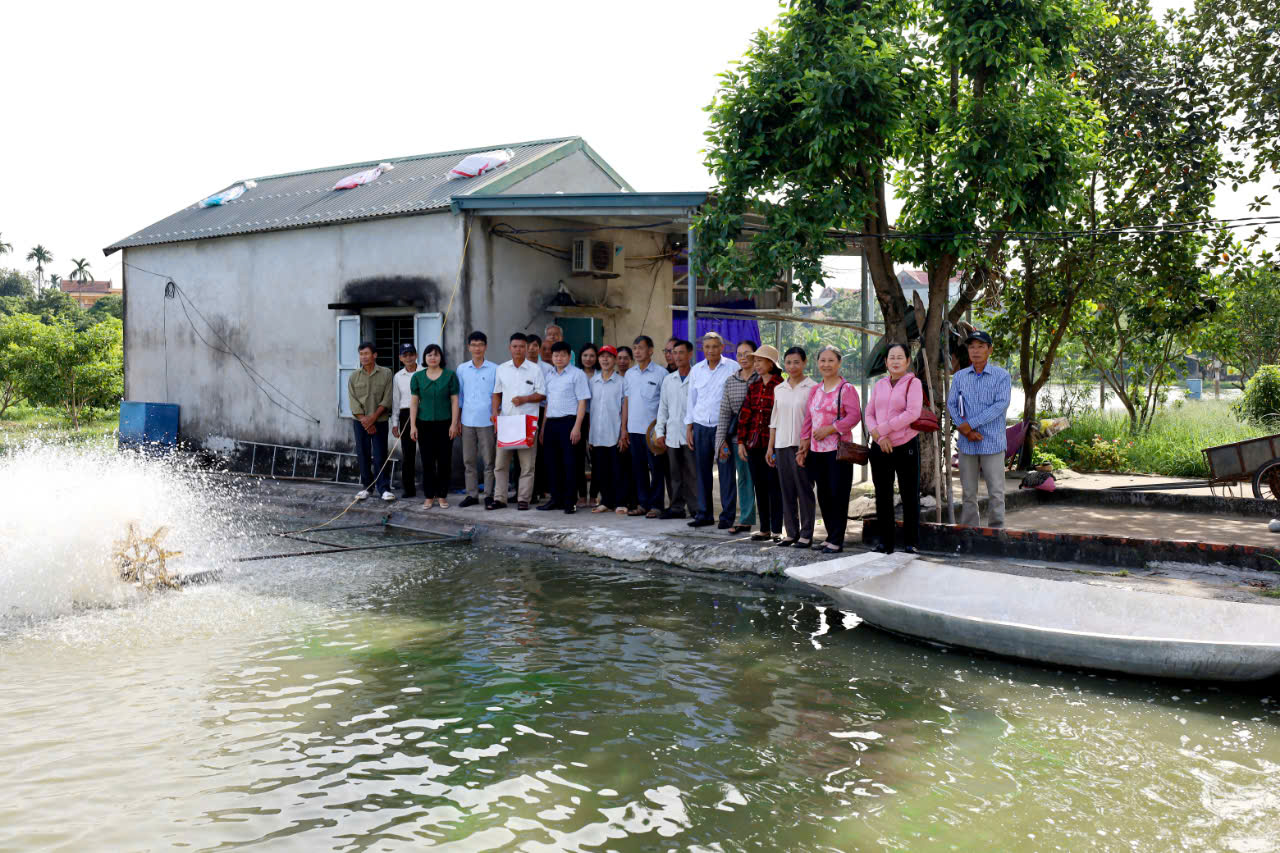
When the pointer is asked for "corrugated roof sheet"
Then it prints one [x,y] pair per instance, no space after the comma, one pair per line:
[301,199]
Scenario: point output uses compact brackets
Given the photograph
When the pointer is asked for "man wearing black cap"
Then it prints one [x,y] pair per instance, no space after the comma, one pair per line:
[978,404]
[400,425]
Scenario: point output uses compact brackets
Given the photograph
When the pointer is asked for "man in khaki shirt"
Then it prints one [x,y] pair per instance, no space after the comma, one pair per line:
[369,395]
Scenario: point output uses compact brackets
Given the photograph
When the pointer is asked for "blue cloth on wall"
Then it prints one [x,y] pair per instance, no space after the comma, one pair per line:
[732,329]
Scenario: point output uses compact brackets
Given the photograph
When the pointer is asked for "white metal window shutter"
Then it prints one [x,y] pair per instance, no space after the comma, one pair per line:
[348,358]
[427,329]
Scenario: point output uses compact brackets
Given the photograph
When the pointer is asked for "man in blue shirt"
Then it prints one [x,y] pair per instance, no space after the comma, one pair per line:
[475,397]
[567,396]
[978,404]
[641,391]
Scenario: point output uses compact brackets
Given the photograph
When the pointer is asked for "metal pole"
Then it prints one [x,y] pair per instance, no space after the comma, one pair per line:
[865,308]
[692,315]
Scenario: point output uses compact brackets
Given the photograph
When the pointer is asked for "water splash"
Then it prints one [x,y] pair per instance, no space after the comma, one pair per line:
[62,509]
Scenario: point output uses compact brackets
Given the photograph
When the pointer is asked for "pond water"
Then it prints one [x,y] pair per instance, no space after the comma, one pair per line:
[477,698]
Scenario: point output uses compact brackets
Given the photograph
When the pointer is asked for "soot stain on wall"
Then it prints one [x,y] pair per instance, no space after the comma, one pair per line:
[408,290]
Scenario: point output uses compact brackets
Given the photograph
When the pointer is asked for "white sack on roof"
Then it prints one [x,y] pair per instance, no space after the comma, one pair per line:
[475,165]
[229,194]
[362,178]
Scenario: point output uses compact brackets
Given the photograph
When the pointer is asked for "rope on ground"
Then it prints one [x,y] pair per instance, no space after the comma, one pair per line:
[392,449]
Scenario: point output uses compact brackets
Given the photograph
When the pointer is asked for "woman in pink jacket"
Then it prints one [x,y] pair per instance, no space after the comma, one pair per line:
[831,413]
[895,403]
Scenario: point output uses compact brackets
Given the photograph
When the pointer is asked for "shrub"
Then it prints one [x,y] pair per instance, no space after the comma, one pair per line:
[1043,457]
[1261,401]
[1098,454]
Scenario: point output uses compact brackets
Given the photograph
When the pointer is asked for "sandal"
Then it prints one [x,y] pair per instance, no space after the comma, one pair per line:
[622,510]
[600,508]
[739,528]
[832,549]
[428,503]
[444,504]
[761,536]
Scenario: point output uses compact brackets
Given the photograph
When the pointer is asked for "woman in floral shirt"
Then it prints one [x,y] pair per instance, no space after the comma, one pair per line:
[830,415]
[753,442]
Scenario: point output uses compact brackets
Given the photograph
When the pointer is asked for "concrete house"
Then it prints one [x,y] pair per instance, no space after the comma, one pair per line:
[248,314]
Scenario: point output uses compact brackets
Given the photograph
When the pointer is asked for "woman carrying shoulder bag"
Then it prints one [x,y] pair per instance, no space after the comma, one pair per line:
[753,442]
[831,413]
[896,402]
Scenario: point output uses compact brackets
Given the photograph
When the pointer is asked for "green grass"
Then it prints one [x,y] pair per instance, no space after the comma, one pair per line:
[1170,448]
[22,424]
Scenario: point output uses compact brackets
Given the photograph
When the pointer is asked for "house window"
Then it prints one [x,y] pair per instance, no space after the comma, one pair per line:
[388,334]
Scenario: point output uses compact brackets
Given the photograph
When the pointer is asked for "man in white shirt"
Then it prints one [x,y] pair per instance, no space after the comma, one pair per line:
[682,486]
[641,390]
[518,389]
[400,420]
[706,385]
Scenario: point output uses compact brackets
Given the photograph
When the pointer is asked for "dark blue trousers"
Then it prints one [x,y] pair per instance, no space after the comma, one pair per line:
[704,440]
[646,473]
[559,453]
[371,450]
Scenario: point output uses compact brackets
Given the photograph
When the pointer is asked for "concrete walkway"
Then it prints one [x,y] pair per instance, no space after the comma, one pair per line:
[1143,523]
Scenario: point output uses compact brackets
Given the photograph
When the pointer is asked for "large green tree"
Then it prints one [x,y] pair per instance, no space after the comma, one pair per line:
[966,113]
[75,369]
[1132,299]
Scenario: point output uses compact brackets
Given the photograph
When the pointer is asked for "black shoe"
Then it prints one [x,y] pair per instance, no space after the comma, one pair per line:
[547,506]
[469,501]
[569,510]
[787,543]
[881,549]
[488,503]
[910,549]
[725,525]
[522,505]
[669,514]
[408,495]
[760,536]
[495,505]
[701,522]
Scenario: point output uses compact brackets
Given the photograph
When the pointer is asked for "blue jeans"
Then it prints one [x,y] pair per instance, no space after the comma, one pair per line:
[647,474]
[704,439]
[373,449]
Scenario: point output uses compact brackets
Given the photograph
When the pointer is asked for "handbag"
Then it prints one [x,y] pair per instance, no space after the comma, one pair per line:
[927,422]
[848,451]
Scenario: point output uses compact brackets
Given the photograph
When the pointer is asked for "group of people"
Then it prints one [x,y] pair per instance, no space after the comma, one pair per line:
[657,434]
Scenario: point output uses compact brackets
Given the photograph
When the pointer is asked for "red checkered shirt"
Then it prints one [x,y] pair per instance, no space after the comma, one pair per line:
[753,418]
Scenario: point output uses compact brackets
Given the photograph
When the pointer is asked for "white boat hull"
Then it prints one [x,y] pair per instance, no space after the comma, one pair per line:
[1068,623]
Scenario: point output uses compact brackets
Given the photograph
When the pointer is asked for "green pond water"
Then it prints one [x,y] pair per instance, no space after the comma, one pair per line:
[475,698]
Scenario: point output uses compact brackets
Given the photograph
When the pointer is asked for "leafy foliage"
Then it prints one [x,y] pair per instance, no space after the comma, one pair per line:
[108,306]
[1246,331]
[16,357]
[1261,401]
[75,369]
[14,283]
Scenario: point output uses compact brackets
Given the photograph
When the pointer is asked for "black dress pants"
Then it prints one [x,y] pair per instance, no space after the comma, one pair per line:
[408,457]
[833,480]
[904,462]
[768,488]
[559,453]
[605,475]
[436,449]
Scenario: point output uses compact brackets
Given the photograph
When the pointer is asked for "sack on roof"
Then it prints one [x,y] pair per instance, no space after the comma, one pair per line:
[475,165]
[229,194]
[362,178]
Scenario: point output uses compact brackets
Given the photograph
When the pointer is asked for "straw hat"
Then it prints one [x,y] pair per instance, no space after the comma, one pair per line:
[652,440]
[770,353]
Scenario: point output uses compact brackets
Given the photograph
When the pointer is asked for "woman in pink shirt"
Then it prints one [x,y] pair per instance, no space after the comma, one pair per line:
[895,404]
[830,415]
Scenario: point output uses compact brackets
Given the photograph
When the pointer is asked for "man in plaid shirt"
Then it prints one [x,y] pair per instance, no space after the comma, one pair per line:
[979,403]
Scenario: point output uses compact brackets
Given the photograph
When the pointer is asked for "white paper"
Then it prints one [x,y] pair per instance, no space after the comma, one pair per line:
[512,428]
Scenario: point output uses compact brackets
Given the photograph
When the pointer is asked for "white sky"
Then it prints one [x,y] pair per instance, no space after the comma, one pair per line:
[118,114]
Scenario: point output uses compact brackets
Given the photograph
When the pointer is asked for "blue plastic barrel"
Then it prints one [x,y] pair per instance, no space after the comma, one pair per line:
[148,424]
[1194,388]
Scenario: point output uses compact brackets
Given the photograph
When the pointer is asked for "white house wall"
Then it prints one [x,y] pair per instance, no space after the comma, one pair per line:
[267,296]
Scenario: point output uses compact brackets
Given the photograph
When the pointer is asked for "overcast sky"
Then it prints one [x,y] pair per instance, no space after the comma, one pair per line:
[118,114]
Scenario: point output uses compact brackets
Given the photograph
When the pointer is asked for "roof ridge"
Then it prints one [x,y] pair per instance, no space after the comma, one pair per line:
[369,163]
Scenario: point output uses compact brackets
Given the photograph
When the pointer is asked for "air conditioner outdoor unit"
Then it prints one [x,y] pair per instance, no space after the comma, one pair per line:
[600,258]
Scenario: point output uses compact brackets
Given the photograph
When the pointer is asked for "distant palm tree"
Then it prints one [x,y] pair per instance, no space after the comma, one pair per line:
[41,256]
[5,248]
[81,272]
[54,279]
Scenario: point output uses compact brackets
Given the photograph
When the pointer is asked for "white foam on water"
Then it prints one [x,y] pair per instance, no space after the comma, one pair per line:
[62,509]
